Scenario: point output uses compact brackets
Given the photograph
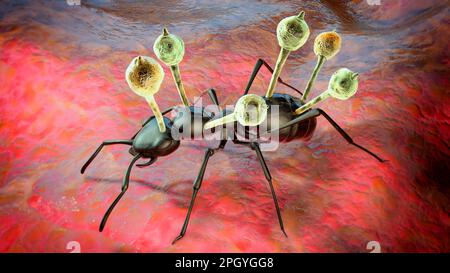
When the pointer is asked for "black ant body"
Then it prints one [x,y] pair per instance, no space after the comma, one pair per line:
[295,119]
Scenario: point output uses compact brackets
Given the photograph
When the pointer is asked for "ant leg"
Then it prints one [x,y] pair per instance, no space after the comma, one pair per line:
[125,183]
[148,163]
[269,179]
[304,116]
[105,143]
[213,96]
[258,65]
[197,185]
[346,136]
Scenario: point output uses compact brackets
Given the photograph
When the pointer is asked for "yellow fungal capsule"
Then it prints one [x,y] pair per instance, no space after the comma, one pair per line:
[327,44]
[292,33]
[251,110]
[144,75]
[169,48]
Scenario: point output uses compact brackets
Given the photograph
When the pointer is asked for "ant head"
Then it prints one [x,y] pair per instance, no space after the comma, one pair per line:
[292,32]
[343,84]
[250,110]
[327,44]
[169,48]
[144,75]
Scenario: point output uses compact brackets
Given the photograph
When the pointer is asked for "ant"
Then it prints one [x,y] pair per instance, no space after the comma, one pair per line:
[294,120]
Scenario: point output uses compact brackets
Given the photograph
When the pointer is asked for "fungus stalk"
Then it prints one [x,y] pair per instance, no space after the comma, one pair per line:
[343,85]
[169,48]
[326,46]
[144,76]
[292,33]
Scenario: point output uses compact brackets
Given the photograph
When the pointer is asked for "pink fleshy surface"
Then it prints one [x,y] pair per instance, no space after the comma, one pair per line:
[63,92]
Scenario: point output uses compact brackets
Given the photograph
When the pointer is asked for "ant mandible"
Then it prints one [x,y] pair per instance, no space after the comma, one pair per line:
[295,118]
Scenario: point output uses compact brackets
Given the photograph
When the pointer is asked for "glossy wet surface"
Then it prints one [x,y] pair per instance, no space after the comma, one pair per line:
[63,92]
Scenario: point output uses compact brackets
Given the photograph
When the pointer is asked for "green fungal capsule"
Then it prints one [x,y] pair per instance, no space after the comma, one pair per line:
[250,110]
[169,48]
[293,32]
[343,84]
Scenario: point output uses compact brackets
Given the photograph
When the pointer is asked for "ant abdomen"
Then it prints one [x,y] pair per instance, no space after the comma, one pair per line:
[304,130]
[281,110]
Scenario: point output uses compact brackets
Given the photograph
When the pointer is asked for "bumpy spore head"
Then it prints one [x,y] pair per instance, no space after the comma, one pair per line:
[327,44]
[144,76]
[250,110]
[343,84]
[169,48]
[292,32]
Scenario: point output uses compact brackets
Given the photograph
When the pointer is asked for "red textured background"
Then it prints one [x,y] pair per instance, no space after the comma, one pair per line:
[63,92]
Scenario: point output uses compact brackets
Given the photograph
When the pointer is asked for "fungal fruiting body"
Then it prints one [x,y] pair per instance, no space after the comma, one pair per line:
[292,33]
[343,84]
[250,110]
[169,48]
[144,76]
[326,46]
